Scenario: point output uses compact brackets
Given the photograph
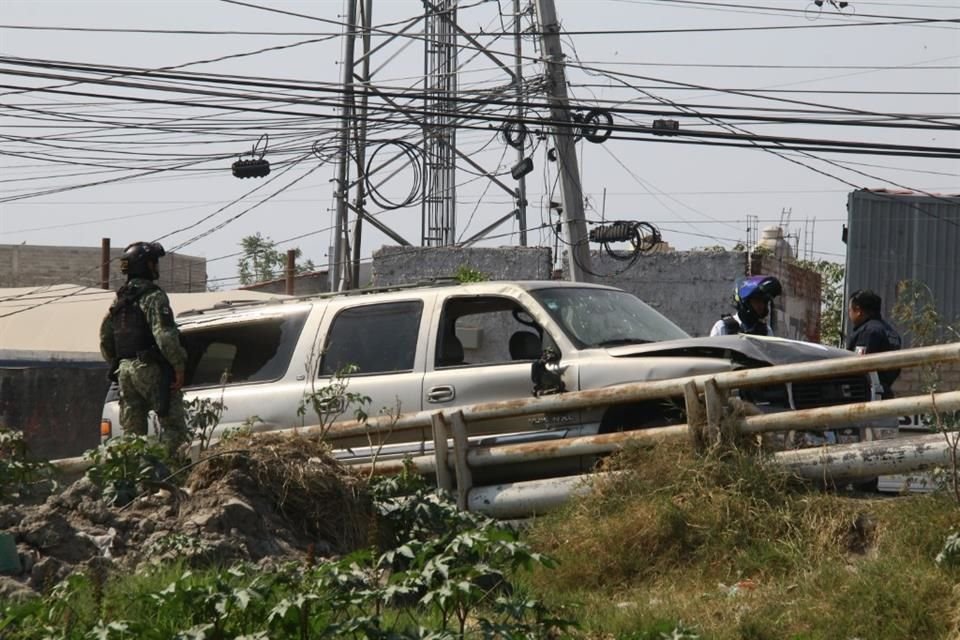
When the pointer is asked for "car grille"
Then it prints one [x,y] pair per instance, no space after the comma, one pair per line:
[829,393]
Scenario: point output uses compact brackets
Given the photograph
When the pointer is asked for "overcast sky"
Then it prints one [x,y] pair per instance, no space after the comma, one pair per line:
[698,195]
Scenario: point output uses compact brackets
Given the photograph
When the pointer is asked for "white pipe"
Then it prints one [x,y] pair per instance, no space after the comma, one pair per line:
[530,451]
[868,459]
[534,497]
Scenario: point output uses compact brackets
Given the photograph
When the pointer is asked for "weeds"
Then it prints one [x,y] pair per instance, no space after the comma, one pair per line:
[735,548]
[439,573]
[125,465]
[203,416]
[916,312]
[19,475]
[466,274]
[950,554]
[333,400]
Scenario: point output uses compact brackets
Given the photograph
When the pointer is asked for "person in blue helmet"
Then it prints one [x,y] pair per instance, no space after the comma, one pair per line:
[752,298]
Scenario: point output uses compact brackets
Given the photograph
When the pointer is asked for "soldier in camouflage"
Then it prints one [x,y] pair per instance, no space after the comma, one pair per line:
[140,340]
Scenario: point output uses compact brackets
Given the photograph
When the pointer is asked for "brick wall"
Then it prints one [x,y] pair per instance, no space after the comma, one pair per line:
[797,311]
[35,265]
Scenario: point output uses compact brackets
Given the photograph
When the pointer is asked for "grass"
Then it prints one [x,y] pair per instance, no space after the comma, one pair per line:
[733,548]
[673,547]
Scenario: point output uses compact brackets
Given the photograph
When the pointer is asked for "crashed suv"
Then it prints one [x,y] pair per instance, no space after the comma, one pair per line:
[429,348]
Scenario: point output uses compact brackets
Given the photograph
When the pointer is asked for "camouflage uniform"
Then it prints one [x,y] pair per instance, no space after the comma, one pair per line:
[142,379]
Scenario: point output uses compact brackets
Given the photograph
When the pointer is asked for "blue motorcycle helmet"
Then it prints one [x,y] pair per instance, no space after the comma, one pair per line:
[764,288]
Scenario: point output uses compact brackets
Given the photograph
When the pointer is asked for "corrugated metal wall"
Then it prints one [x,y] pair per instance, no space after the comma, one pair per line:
[57,405]
[894,237]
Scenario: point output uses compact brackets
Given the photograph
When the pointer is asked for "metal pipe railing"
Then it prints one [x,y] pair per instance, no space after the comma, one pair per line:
[818,419]
[651,390]
[829,417]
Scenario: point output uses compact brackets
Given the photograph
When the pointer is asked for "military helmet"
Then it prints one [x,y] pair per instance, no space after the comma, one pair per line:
[138,256]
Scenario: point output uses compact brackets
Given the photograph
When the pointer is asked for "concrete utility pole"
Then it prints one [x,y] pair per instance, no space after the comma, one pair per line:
[574,221]
[366,18]
[340,274]
[518,79]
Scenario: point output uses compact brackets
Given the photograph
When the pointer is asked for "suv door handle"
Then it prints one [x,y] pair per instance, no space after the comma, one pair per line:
[442,393]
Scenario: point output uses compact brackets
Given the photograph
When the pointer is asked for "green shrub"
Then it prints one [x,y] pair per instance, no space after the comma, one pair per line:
[19,474]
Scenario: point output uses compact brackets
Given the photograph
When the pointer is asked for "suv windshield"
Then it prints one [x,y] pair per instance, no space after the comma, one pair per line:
[605,317]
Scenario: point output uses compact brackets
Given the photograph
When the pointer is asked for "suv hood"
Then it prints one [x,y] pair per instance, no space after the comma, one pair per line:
[740,348]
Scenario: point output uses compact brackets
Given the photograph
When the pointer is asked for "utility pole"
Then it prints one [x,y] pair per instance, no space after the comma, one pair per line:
[339,274]
[518,79]
[361,139]
[574,221]
[439,225]
[105,263]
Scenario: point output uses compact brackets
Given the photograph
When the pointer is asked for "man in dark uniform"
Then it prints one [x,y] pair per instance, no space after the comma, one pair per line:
[871,333]
[140,340]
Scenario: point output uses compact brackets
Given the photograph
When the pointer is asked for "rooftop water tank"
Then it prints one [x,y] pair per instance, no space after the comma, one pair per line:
[771,239]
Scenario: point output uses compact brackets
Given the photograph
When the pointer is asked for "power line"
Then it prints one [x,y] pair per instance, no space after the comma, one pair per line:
[421,112]
[754,66]
[781,10]
[456,100]
[599,32]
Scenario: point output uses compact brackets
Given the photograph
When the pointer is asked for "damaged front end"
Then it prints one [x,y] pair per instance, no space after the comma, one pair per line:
[747,352]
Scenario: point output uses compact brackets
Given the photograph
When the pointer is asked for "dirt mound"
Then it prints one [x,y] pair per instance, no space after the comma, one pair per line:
[274,496]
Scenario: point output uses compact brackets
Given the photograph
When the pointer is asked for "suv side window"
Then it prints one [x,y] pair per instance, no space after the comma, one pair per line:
[254,351]
[486,330]
[377,338]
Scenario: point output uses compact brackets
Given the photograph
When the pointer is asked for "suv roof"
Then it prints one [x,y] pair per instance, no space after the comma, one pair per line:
[490,286]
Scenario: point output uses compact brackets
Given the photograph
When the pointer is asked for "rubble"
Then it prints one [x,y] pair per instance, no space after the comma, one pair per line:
[268,498]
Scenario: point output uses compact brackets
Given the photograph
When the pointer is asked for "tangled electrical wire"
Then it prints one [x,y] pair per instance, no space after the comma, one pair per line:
[593,125]
[414,158]
[815,8]
[414,155]
[643,237]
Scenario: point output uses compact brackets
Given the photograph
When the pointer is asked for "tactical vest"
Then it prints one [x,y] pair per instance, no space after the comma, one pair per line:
[132,334]
[733,327]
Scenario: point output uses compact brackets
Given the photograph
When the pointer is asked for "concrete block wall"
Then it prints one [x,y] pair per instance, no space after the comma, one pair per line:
[691,288]
[394,265]
[37,265]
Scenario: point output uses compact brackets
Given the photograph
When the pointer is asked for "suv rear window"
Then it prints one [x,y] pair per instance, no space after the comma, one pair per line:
[254,351]
[377,338]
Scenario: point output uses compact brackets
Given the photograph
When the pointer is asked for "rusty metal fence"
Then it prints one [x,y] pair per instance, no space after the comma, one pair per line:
[711,421]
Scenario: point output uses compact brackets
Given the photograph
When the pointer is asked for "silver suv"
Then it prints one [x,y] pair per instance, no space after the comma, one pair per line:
[424,348]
